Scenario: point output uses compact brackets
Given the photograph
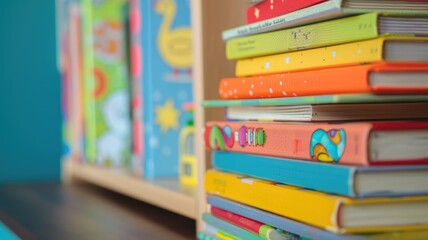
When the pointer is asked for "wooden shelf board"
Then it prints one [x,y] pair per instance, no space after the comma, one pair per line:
[164,193]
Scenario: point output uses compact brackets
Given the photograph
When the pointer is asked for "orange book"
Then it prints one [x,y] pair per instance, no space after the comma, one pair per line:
[373,78]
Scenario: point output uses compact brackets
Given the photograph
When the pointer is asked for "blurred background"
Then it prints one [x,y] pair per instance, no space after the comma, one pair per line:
[30,114]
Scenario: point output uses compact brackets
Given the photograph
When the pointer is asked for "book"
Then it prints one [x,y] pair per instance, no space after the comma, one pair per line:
[136,88]
[108,84]
[349,29]
[389,49]
[73,93]
[263,230]
[331,212]
[217,233]
[319,99]
[355,143]
[328,10]
[369,78]
[88,82]
[203,235]
[305,231]
[166,83]
[361,182]
[329,112]
[236,231]
[270,9]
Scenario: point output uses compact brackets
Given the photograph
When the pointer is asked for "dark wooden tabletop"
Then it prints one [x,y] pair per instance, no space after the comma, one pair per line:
[82,211]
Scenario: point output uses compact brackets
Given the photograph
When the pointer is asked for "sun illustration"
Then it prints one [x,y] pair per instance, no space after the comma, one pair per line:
[167,116]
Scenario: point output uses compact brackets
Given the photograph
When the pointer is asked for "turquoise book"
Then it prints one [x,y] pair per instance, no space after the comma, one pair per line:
[352,181]
[166,43]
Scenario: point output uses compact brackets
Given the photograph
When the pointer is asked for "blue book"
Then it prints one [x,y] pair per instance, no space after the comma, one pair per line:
[353,181]
[166,83]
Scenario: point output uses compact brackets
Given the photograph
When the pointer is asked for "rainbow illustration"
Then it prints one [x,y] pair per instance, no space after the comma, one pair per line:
[328,146]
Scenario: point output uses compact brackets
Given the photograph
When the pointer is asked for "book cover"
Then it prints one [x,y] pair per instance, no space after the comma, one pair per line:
[340,143]
[330,212]
[203,235]
[319,99]
[270,9]
[348,180]
[304,230]
[166,82]
[327,10]
[111,84]
[349,29]
[338,80]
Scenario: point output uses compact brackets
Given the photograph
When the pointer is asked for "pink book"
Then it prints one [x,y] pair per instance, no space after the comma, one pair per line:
[136,73]
[358,143]
[274,8]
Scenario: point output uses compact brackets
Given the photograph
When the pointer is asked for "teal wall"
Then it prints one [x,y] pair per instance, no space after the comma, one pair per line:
[30,118]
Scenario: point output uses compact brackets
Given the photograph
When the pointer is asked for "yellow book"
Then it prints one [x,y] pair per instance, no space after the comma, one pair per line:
[382,49]
[332,212]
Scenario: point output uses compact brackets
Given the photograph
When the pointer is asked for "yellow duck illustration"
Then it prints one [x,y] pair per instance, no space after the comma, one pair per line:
[175,45]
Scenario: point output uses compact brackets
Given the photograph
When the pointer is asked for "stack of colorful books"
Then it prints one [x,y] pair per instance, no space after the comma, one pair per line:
[326,128]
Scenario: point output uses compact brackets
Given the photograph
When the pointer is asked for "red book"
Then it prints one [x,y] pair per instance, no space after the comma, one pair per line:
[274,8]
[246,223]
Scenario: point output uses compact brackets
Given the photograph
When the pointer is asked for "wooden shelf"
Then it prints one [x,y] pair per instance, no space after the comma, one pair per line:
[164,193]
[209,19]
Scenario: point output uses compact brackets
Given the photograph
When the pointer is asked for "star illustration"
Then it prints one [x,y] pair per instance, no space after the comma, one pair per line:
[167,116]
[256,12]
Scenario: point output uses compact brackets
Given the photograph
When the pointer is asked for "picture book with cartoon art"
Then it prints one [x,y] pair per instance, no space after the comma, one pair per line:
[107,97]
[166,82]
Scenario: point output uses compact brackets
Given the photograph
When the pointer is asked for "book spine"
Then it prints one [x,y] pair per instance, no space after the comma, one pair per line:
[309,36]
[228,229]
[369,51]
[271,9]
[334,143]
[147,44]
[73,94]
[309,207]
[305,174]
[246,223]
[320,12]
[136,71]
[89,82]
[263,230]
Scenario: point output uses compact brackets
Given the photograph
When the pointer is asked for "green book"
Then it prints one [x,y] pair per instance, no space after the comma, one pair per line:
[88,81]
[107,80]
[350,29]
[321,99]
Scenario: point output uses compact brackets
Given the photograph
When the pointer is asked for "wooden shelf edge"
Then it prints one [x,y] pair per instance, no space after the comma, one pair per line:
[151,192]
